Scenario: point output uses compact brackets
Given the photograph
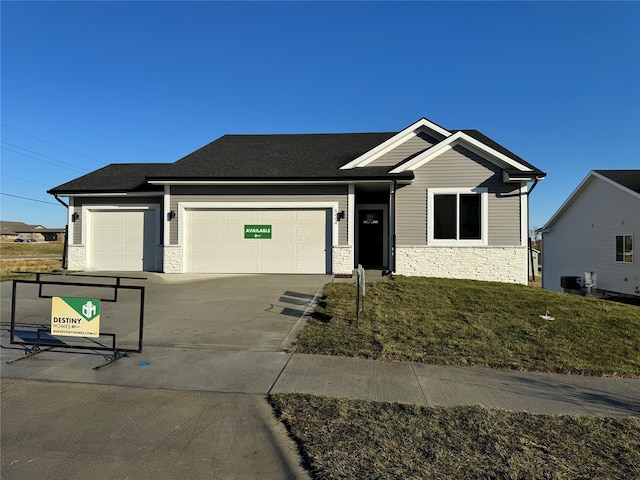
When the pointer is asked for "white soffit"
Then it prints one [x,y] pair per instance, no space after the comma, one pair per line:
[398,139]
[468,142]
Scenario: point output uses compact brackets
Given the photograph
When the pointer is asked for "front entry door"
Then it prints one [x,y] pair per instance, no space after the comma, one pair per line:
[370,238]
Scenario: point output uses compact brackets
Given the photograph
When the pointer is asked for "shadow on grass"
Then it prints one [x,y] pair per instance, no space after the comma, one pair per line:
[321,317]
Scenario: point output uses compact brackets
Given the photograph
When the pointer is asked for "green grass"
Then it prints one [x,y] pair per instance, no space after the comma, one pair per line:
[463,322]
[355,439]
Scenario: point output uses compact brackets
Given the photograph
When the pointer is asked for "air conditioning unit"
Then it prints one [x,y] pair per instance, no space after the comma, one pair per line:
[570,283]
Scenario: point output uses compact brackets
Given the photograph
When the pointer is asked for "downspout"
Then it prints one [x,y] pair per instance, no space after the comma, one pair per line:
[65,262]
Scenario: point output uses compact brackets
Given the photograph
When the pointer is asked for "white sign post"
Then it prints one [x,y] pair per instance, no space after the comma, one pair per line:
[360,290]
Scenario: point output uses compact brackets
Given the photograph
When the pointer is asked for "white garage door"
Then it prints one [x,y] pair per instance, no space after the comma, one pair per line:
[215,241]
[121,240]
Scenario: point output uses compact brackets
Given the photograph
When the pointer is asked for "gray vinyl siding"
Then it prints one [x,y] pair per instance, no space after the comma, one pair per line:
[459,168]
[415,145]
[262,193]
[79,202]
[582,239]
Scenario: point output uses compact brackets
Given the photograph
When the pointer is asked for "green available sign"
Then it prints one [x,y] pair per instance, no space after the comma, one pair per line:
[257,231]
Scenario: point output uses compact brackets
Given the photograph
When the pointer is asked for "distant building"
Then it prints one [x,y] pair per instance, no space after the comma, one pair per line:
[13,230]
[588,244]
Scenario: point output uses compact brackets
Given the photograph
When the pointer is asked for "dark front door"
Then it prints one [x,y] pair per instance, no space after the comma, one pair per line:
[370,238]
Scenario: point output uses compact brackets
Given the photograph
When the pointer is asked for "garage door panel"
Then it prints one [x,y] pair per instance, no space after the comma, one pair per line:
[298,242]
[121,240]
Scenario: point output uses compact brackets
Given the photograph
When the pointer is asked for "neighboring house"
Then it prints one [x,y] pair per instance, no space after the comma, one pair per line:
[13,230]
[423,201]
[594,232]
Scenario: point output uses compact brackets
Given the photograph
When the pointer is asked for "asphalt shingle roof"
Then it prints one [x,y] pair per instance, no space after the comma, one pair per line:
[626,178]
[255,157]
[116,177]
[279,156]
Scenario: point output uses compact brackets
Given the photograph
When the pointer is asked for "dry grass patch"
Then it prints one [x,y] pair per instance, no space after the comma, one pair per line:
[25,249]
[464,322]
[9,266]
[349,439]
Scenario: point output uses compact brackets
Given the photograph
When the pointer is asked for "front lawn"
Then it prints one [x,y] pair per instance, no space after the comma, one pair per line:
[463,322]
[348,439]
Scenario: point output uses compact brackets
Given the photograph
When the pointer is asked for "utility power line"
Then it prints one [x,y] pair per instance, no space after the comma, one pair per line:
[23,179]
[32,199]
[54,144]
[41,154]
[73,169]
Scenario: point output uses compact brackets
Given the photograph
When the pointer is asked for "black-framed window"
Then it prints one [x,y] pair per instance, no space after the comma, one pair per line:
[457,216]
[624,248]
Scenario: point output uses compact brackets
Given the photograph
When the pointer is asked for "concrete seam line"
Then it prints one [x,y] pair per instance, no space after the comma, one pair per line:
[289,356]
[419,384]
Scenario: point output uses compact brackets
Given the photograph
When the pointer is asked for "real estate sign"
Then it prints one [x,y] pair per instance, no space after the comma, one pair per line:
[75,317]
[257,231]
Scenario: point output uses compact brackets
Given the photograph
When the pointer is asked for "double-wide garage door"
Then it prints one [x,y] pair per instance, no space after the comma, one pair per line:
[256,241]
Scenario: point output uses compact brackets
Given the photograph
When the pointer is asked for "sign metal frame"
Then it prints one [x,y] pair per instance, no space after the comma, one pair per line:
[44,337]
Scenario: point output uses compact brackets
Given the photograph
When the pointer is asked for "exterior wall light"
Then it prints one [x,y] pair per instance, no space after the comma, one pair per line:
[340,215]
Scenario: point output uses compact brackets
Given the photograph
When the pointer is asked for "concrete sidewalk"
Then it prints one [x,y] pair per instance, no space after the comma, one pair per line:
[442,385]
[261,373]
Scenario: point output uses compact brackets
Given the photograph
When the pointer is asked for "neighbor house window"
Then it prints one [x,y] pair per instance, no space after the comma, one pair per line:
[624,248]
[457,216]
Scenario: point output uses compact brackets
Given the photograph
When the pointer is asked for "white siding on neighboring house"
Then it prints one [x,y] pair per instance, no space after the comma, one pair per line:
[582,239]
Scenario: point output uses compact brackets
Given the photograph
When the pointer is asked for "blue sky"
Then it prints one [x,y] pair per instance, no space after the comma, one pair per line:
[85,84]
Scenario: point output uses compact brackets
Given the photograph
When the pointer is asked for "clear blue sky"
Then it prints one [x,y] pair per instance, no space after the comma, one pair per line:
[85,84]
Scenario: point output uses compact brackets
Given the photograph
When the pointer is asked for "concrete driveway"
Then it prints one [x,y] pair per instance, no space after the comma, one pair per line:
[211,333]
[191,405]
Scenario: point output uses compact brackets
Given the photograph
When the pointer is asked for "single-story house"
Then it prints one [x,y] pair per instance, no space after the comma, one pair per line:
[590,239]
[422,201]
[12,230]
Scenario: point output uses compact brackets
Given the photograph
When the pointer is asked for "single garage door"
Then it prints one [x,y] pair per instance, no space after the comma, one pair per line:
[121,240]
[257,241]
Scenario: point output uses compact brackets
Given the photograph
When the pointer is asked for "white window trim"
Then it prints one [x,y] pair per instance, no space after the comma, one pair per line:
[484,217]
[623,261]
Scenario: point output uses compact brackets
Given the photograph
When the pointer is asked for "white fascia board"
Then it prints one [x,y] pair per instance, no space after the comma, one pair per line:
[468,142]
[508,178]
[265,182]
[116,194]
[398,139]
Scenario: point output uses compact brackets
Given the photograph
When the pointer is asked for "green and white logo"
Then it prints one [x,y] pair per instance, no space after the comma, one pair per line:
[76,317]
